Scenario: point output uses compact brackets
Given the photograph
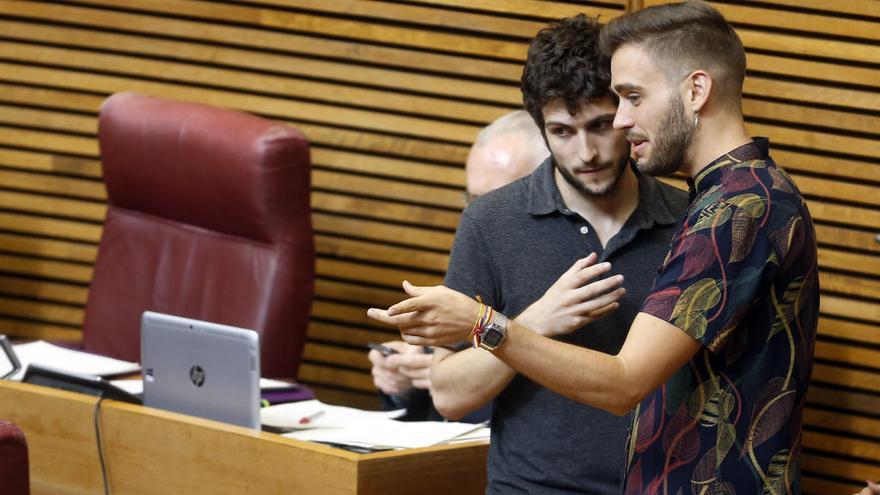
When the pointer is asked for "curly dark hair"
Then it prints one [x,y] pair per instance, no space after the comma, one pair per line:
[565,62]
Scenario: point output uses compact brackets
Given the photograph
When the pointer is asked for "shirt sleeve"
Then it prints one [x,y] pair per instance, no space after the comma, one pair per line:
[716,267]
[471,270]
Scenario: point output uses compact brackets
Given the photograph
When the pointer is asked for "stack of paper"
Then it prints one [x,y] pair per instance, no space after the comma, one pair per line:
[315,421]
[68,360]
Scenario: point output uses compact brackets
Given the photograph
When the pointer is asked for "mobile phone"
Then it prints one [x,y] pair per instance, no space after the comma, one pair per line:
[384,349]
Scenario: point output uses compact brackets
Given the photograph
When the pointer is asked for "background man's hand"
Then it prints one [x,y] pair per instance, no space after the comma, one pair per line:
[397,373]
[871,489]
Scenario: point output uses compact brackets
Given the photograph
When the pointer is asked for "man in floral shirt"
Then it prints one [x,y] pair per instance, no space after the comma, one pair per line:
[719,358]
[740,278]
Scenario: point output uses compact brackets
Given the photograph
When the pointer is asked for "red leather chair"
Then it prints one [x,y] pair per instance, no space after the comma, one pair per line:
[208,217]
[14,474]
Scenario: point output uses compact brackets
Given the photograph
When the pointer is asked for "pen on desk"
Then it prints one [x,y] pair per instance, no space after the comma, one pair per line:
[311,417]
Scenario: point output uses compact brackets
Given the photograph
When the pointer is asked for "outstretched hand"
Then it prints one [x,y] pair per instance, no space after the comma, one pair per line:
[433,316]
[573,300]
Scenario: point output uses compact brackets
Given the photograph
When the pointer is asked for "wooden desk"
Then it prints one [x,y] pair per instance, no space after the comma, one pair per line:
[150,451]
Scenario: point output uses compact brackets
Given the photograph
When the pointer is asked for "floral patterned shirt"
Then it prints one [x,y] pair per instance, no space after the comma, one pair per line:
[741,279]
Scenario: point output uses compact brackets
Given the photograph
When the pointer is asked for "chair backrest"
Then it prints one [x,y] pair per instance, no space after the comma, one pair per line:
[14,473]
[208,217]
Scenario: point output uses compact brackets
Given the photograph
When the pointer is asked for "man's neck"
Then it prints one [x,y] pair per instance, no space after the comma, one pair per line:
[607,213]
[715,137]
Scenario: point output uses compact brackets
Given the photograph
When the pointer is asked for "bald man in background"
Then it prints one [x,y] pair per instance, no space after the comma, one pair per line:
[509,148]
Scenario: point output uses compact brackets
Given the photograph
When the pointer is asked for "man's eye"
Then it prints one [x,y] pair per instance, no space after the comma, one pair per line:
[560,131]
[602,125]
[633,98]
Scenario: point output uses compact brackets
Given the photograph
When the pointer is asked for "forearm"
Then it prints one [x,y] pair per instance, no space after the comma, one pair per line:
[465,381]
[587,376]
[654,349]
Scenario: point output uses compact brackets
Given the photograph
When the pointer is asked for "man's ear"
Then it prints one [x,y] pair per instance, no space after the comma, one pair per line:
[699,88]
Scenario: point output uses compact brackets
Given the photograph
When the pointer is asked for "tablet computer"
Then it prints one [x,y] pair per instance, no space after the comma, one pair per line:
[201,368]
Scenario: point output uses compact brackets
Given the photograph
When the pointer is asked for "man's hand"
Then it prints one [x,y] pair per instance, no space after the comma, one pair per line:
[871,489]
[397,373]
[433,316]
[571,302]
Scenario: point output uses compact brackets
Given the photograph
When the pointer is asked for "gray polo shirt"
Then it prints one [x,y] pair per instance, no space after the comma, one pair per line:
[510,246]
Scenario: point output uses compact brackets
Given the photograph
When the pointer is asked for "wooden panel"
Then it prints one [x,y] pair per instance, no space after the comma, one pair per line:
[154,451]
[812,69]
[259,38]
[837,398]
[824,486]
[349,27]
[331,136]
[867,311]
[809,22]
[868,8]
[40,330]
[45,162]
[851,330]
[553,10]
[412,14]
[256,60]
[252,82]
[861,448]
[321,331]
[432,217]
[380,253]
[390,95]
[372,274]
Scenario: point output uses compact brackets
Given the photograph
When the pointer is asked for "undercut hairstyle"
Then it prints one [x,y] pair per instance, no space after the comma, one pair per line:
[565,62]
[684,37]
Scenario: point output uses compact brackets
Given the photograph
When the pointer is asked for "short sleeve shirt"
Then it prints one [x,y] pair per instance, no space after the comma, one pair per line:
[740,278]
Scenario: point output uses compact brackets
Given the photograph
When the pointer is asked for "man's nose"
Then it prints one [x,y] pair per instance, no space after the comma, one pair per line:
[622,119]
[586,149]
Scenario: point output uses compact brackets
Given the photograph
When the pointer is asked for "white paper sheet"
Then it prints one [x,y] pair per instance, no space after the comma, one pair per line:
[58,358]
[383,433]
[316,421]
[319,415]
[272,384]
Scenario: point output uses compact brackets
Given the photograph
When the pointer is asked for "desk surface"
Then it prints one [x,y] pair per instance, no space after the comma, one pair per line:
[151,451]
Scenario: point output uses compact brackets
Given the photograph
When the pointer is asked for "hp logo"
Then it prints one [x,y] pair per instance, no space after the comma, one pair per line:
[197,375]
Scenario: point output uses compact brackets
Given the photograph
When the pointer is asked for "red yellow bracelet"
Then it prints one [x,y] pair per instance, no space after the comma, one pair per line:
[478,324]
[485,316]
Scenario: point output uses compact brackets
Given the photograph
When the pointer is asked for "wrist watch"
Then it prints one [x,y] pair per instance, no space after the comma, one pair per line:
[494,332]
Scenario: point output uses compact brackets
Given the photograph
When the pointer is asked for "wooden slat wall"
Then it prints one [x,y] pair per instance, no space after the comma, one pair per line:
[391,94]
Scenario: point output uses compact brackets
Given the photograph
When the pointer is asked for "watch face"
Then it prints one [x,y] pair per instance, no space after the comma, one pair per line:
[492,337]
